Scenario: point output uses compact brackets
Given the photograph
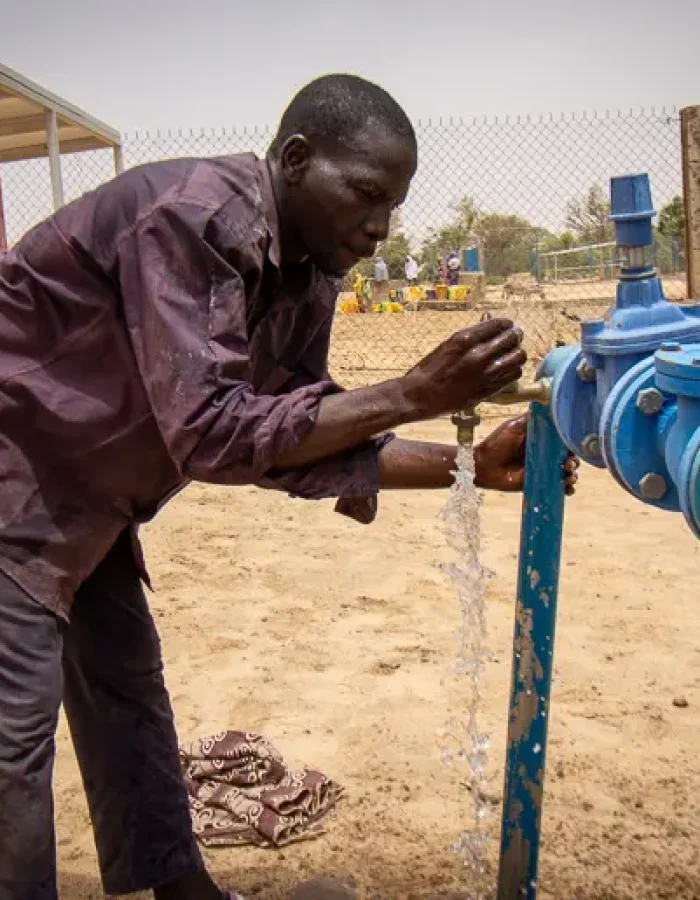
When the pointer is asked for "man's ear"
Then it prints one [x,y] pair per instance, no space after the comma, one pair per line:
[295,158]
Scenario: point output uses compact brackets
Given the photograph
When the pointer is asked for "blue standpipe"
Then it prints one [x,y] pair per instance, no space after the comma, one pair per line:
[533,657]
[626,399]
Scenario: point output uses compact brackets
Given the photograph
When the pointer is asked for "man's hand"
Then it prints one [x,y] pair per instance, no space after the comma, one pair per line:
[500,459]
[468,367]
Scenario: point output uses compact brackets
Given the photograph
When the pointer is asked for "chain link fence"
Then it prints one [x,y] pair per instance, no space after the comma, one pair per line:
[522,202]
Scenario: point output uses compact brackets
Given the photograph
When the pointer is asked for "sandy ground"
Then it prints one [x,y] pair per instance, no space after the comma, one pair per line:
[337,641]
[675,288]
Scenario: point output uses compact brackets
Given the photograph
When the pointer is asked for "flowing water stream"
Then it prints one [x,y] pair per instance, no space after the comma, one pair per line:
[464,745]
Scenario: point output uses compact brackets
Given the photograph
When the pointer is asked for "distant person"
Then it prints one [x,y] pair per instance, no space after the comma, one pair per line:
[411,270]
[363,292]
[440,271]
[453,268]
[381,272]
[174,326]
[381,280]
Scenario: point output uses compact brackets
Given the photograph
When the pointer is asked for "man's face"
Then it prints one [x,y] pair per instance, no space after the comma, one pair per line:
[340,202]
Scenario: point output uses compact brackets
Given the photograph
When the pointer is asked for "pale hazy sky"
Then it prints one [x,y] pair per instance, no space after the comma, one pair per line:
[170,63]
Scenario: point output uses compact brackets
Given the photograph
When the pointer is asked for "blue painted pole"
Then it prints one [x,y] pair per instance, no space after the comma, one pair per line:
[533,657]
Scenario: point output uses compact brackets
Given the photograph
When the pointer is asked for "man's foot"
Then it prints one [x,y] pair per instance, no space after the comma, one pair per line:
[323,889]
[192,887]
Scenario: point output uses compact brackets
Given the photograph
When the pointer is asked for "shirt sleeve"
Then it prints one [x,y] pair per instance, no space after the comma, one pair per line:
[354,473]
[186,313]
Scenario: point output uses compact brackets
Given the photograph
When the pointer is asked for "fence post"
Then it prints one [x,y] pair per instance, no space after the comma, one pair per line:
[690,143]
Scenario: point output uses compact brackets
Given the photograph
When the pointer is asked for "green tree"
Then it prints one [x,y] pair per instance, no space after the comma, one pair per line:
[587,217]
[507,241]
[669,237]
[672,219]
[563,241]
[394,251]
[461,232]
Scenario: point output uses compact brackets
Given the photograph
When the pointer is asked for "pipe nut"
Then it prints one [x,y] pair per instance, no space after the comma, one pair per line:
[652,486]
[650,401]
[466,421]
[585,372]
[591,445]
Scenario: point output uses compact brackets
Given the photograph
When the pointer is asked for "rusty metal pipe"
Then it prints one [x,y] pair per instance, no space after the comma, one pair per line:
[467,419]
[524,392]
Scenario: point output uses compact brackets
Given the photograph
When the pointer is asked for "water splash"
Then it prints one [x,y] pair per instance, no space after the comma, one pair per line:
[464,745]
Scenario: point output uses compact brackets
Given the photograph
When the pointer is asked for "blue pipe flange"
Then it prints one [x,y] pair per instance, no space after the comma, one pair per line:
[678,373]
[573,406]
[689,484]
[632,424]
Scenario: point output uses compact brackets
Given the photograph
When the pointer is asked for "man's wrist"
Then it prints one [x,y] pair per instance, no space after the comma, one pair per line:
[407,411]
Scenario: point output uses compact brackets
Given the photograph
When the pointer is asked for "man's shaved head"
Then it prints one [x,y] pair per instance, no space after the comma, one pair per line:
[333,109]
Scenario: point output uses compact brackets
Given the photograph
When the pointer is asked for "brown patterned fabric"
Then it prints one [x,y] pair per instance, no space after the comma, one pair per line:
[241,792]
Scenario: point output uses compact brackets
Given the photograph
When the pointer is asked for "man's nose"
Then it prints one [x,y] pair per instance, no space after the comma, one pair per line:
[377,223]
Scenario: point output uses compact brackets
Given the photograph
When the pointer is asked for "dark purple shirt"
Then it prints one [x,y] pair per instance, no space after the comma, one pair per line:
[149,335]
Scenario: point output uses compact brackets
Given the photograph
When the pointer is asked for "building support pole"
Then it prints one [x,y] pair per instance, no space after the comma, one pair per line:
[690,144]
[54,157]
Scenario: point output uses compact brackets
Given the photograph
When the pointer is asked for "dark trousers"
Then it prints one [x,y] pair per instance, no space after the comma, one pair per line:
[106,667]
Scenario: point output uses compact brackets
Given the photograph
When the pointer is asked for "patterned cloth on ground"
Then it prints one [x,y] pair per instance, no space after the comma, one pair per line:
[241,792]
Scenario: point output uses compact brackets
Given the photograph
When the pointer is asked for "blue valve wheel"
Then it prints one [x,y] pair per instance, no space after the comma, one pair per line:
[630,438]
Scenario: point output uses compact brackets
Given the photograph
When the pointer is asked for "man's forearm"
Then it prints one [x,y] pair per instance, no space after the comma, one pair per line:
[416,464]
[420,464]
[466,368]
[349,419]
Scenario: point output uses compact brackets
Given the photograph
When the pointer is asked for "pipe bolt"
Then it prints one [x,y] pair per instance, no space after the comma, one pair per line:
[591,445]
[652,486]
[650,401]
[585,372]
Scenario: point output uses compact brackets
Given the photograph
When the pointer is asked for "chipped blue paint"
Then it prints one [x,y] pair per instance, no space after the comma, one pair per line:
[533,647]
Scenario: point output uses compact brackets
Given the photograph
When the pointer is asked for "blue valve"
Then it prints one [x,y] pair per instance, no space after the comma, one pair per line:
[631,210]
[627,398]
[641,321]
